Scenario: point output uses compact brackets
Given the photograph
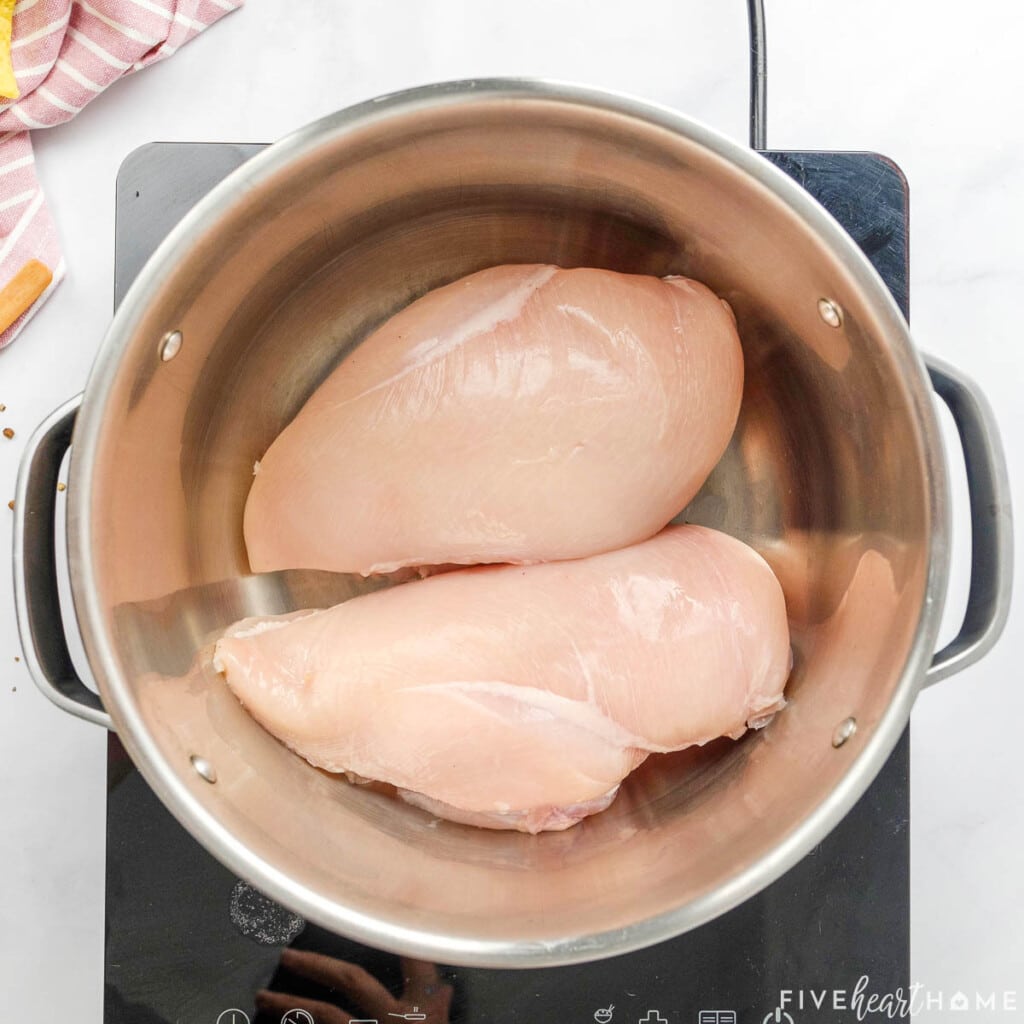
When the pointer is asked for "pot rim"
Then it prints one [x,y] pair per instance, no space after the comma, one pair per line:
[422,943]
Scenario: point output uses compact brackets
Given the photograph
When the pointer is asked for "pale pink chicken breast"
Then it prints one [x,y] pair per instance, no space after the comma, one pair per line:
[520,697]
[521,414]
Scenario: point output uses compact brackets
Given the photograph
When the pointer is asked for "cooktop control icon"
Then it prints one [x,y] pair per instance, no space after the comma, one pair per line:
[716,1017]
[604,1016]
[298,1017]
[653,1017]
[233,1016]
[778,1016]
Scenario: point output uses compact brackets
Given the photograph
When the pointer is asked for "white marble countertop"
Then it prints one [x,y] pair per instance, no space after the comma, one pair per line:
[931,85]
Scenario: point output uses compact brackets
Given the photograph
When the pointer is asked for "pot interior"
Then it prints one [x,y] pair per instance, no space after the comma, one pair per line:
[291,264]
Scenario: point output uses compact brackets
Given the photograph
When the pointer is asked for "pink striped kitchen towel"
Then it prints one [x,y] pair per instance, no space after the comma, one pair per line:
[64,53]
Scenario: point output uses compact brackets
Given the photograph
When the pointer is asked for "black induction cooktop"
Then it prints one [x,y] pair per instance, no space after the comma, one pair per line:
[189,943]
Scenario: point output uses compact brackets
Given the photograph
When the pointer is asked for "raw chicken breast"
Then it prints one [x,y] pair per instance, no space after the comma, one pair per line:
[521,414]
[520,697]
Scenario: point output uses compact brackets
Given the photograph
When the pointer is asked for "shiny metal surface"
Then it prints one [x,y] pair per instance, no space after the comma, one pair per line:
[758,76]
[203,768]
[835,474]
[843,732]
[170,346]
[830,312]
[991,586]
[35,569]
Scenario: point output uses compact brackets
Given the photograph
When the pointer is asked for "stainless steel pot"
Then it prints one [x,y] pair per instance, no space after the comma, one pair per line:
[836,473]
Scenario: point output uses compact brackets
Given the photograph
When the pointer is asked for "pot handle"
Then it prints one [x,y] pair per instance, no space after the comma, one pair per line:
[35,569]
[988,486]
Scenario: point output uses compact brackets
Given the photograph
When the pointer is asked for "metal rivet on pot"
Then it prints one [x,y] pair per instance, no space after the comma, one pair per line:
[831,312]
[204,768]
[170,346]
[843,731]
